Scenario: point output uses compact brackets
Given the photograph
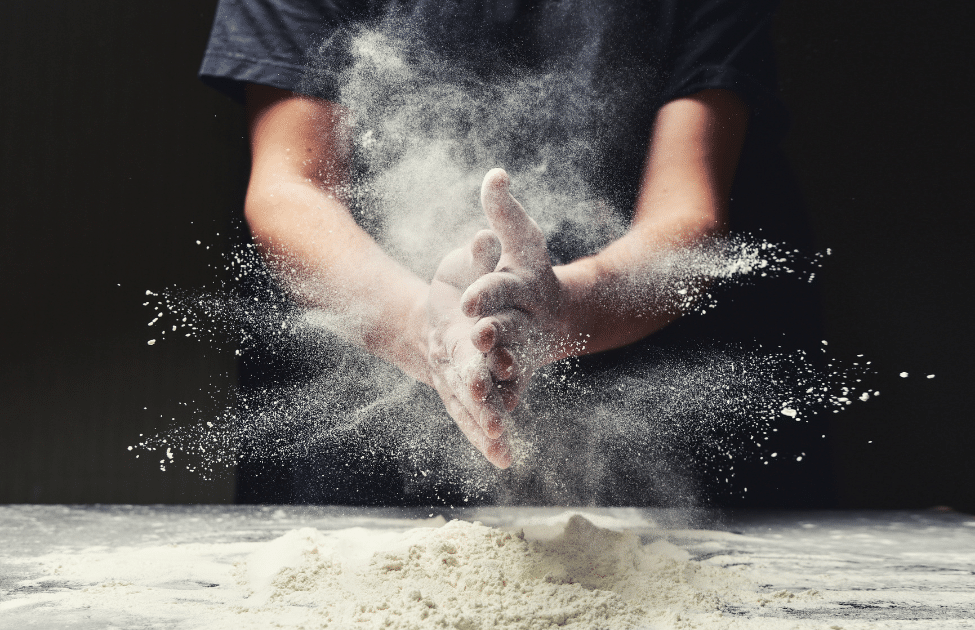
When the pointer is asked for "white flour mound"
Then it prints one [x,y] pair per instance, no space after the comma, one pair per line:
[468,576]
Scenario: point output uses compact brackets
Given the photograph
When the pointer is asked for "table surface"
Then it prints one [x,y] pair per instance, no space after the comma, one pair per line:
[884,569]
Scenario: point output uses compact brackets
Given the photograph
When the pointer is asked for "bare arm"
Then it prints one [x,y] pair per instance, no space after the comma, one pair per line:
[295,209]
[687,180]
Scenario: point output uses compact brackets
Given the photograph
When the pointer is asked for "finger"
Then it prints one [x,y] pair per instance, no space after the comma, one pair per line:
[470,375]
[479,386]
[474,387]
[520,236]
[495,292]
[506,328]
[484,334]
[491,419]
[476,391]
[503,365]
[489,402]
[461,415]
[488,405]
[464,265]
[485,251]
[507,395]
[497,450]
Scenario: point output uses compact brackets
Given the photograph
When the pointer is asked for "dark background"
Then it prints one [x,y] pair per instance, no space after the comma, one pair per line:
[116,160]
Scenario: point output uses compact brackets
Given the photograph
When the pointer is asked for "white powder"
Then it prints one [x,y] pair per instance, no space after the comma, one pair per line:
[469,576]
[580,574]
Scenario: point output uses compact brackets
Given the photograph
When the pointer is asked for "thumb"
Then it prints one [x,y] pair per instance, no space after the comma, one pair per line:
[520,236]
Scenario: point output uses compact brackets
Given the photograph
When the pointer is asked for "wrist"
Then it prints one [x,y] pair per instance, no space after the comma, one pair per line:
[416,337]
[571,335]
[401,337]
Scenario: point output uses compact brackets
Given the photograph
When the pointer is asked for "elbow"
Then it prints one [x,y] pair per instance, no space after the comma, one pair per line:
[699,227]
[711,225]
[255,205]
[259,212]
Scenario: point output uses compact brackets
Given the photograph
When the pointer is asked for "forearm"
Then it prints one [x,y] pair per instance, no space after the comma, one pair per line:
[625,293]
[328,262]
[297,215]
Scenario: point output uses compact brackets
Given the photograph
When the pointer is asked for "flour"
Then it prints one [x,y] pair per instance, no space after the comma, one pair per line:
[469,576]
[240,568]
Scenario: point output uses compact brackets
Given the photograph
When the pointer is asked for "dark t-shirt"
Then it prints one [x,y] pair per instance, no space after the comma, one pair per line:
[692,45]
[650,52]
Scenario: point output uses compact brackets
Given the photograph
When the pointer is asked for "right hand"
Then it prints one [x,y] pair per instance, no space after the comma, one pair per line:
[458,370]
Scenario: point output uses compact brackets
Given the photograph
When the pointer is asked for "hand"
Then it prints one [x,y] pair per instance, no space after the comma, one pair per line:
[518,306]
[459,371]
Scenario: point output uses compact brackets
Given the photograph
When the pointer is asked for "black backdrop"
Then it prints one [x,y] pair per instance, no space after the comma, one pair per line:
[115,161]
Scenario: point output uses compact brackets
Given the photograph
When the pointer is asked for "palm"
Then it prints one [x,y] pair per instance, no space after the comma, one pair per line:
[460,371]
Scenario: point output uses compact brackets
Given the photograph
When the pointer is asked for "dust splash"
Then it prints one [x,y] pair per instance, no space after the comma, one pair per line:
[425,133]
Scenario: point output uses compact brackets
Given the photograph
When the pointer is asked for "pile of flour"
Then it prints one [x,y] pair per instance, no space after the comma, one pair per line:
[469,576]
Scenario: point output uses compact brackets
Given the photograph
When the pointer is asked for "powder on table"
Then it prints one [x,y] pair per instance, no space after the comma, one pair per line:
[469,576]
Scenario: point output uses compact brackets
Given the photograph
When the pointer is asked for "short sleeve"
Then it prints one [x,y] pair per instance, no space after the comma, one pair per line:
[266,42]
[727,45]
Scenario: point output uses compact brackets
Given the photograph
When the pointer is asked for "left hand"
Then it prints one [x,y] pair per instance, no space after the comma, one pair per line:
[519,305]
